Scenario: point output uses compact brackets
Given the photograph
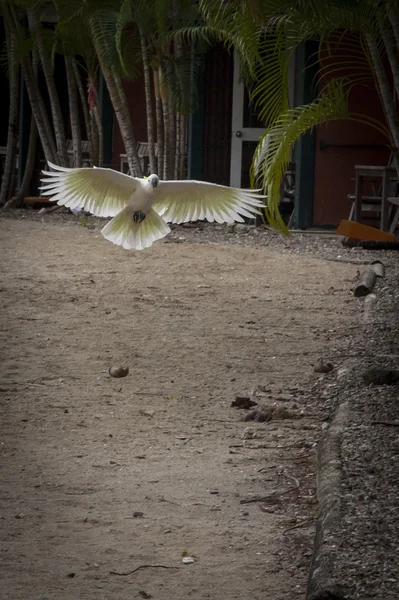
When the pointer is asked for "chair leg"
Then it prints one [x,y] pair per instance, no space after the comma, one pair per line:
[352,211]
[395,221]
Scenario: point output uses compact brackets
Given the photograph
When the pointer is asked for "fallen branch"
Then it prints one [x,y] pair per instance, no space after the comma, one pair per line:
[299,525]
[366,283]
[378,268]
[142,567]
[297,482]
[263,498]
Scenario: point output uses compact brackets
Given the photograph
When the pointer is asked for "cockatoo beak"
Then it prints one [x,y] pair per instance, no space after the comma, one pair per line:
[154,180]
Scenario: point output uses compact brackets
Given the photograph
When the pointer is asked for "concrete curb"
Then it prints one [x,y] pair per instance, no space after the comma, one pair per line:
[321,584]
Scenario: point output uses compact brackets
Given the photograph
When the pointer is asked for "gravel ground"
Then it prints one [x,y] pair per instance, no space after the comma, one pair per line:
[366,547]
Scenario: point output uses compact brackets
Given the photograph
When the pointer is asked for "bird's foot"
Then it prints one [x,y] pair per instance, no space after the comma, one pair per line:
[138,216]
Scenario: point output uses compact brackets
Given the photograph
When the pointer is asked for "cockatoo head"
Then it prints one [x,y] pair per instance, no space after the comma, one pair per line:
[153,180]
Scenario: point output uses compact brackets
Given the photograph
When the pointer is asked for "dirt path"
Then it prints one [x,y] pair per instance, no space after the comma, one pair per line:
[102,475]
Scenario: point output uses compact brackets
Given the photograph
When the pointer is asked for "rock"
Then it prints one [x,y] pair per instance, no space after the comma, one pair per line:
[243,402]
[259,415]
[118,371]
[248,434]
[323,367]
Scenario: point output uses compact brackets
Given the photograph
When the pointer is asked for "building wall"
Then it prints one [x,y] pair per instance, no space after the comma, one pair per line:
[334,165]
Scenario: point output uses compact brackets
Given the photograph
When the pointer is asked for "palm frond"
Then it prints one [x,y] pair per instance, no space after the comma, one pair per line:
[274,149]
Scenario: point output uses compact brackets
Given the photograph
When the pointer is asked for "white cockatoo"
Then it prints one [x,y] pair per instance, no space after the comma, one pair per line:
[142,208]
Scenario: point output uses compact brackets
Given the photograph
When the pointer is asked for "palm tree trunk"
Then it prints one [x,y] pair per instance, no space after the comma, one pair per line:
[182,166]
[12,133]
[386,95]
[393,17]
[97,125]
[130,139]
[166,153]
[177,146]
[148,103]
[166,125]
[118,99]
[99,134]
[85,108]
[30,164]
[391,49]
[172,140]
[160,132]
[73,112]
[30,159]
[35,97]
[56,113]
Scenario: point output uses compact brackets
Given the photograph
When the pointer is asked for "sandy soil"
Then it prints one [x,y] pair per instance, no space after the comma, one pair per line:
[100,476]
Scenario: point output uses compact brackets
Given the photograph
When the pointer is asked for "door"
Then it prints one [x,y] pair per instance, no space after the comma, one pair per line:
[247,129]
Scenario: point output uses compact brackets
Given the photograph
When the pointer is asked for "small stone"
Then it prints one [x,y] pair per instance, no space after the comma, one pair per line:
[323,367]
[118,371]
[248,434]
[138,514]
[261,416]
[243,402]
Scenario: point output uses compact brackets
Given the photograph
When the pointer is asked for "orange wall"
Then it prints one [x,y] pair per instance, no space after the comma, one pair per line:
[334,166]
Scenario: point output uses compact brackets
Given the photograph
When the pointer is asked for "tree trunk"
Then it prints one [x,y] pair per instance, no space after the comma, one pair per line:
[95,147]
[31,156]
[130,139]
[182,167]
[100,135]
[97,125]
[166,125]
[35,98]
[30,164]
[118,99]
[177,146]
[386,96]
[172,140]
[85,108]
[148,103]
[56,113]
[392,50]
[160,132]
[74,112]
[393,17]
[12,134]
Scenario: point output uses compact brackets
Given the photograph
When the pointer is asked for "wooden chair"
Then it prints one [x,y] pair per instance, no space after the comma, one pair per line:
[394,201]
[376,202]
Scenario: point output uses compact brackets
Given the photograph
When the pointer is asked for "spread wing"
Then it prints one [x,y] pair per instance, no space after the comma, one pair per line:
[103,192]
[182,201]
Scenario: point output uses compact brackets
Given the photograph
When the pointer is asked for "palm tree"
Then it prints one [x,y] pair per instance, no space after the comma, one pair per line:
[12,20]
[12,134]
[170,58]
[45,41]
[73,110]
[352,37]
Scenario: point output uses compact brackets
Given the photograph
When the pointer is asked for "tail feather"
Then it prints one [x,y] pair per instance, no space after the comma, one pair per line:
[125,232]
